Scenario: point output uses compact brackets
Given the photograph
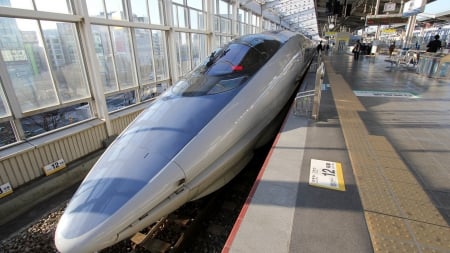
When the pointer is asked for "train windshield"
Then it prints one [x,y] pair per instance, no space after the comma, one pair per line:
[225,69]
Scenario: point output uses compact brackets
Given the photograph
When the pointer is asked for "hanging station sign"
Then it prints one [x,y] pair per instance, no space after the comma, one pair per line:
[413,7]
[386,19]
[389,7]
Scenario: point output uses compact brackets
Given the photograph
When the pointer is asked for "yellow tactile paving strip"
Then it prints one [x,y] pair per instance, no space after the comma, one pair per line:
[399,214]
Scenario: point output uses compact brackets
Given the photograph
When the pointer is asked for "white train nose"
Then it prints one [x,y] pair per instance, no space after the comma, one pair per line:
[81,244]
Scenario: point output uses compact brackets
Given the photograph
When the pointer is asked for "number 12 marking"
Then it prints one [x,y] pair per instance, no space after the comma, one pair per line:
[328,172]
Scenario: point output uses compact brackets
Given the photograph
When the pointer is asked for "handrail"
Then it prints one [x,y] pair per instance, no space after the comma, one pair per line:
[307,103]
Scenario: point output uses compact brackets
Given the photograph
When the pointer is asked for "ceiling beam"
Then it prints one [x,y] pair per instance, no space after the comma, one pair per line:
[307,11]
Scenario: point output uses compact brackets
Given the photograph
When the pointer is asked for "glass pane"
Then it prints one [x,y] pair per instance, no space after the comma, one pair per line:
[202,21]
[4,109]
[122,55]
[198,49]
[65,60]
[183,59]
[241,15]
[216,42]
[177,1]
[59,6]
[144,56]
[195,4]
[139,10]
[197,20]
[152,90]
[6,134]
[223,25]
[115,10]
[121,100]
[155,12]
[216,23]
[174,16]
[159,52]
[105,57]
[24,56]
[22,4]
[47,121]
[226,25]
[193,19]
[96,8]
[179,16]
[223,9]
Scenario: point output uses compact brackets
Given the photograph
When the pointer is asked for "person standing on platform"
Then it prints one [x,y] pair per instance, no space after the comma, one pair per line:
[434,45]
[319,48]
[356,50]
[391,49]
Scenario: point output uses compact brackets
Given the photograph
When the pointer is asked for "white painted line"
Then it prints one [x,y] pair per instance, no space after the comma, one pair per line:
[397,94]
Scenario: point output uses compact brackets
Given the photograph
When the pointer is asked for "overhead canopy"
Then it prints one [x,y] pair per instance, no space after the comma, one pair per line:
[300,15]
[437,11]
[316,17]
[297,15]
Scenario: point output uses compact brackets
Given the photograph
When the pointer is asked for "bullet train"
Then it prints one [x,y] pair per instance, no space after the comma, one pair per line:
[190,142]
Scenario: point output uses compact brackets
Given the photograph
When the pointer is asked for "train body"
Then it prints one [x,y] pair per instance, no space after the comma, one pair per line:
[190,142]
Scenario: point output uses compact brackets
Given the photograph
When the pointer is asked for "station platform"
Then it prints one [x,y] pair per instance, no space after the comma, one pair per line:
[389,129]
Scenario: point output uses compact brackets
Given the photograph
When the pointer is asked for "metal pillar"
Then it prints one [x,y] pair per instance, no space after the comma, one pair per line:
[409,31]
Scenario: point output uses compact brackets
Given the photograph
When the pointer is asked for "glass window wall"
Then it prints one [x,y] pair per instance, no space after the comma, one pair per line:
[41,5]
[4,108]
[54,119]
[64,53]
[223,17]
[47,82]
[45,66]
[6,134]
[124,62]
[147,11]
[120,100]
[111,9]
[105,57]
[53,6]
[179,16]
[160,55]
[183,57]
[198,52]
[144,55]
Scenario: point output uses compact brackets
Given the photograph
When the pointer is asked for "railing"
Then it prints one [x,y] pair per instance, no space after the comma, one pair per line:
[435,65]
[307,103]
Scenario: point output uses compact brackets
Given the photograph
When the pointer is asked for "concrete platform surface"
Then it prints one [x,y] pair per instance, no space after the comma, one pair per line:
[389,129]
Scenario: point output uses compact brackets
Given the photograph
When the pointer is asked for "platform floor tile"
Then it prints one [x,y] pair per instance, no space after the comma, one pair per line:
[400,215]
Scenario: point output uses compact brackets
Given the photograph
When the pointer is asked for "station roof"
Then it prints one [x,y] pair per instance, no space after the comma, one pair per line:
[297,15]
[315,17]
[436,12]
